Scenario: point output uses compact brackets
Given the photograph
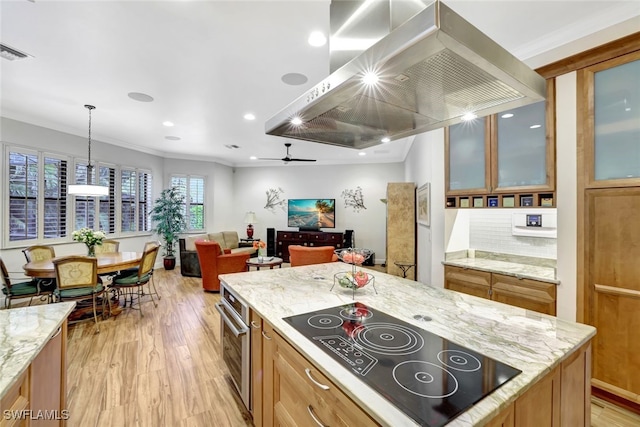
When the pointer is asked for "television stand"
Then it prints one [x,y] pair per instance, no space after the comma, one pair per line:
[306,238]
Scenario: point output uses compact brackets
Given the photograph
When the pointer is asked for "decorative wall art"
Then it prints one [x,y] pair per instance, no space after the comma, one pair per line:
[354,199]
[273,199]
[423,205]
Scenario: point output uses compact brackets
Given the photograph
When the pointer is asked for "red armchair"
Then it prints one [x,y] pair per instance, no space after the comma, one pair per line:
[213,263]
[305,255]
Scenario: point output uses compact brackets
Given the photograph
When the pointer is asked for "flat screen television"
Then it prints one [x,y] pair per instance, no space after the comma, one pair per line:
[311,214]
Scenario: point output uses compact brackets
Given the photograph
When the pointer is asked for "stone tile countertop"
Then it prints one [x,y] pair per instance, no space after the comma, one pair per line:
[532,342]
[24,332]
[544,274]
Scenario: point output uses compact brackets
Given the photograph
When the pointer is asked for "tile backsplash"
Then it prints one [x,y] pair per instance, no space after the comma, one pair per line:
[490,230]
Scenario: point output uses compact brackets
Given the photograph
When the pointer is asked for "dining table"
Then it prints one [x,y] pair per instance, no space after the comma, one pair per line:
[108,262]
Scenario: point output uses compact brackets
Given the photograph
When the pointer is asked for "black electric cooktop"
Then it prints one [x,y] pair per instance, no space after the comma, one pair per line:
[429,378]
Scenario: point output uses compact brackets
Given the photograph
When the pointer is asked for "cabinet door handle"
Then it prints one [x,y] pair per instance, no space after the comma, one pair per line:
[57,333]
[266,337]
[322,386]
[318,422]
[255,325]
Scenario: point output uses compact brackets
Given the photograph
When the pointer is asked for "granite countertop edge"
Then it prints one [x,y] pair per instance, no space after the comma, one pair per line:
[542,274]
[24,332]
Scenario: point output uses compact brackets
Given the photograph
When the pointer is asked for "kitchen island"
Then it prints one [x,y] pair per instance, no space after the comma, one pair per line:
[550,352]
[33,363]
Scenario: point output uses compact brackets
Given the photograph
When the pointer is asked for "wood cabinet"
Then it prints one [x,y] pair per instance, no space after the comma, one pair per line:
[304,396]
[306,238]
[41,389]
[520,292]
[504,160]
[561,398]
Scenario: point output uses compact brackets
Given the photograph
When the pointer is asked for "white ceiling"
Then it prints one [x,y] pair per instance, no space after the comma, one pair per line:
[207,63]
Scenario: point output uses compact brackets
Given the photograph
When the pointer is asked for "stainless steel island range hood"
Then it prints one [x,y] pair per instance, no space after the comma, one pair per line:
[429,72]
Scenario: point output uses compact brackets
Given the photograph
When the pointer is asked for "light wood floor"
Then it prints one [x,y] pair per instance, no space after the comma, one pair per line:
[165,370]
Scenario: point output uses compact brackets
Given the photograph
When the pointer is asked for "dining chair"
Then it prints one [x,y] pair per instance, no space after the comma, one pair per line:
[41,253]
[148,245]
[131,284]
[107,246]
[77,280]
[28,289]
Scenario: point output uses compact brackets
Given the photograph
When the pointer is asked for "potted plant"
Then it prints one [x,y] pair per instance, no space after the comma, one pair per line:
[169,219]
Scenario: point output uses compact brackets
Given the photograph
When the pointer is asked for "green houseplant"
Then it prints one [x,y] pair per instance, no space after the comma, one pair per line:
[169,219]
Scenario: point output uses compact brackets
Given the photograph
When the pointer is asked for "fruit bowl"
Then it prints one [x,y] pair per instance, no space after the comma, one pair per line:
[350,280]
[355,256]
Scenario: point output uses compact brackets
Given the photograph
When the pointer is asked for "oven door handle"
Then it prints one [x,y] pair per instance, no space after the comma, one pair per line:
[223,310]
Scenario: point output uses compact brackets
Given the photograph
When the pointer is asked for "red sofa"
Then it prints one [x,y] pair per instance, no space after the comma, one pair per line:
[214,262]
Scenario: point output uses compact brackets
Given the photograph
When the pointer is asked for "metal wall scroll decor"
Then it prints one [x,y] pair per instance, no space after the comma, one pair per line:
[354,199]
[273,199]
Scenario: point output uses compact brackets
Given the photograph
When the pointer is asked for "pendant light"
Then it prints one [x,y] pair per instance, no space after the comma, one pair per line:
[89,189]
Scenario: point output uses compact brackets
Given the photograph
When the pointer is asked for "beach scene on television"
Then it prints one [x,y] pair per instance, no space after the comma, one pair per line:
[313,213]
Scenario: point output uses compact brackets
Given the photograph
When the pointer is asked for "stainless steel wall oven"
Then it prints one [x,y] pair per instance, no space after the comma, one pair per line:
[235,338]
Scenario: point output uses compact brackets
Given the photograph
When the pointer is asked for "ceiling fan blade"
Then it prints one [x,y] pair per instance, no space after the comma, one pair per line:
[301,160]
[268,158]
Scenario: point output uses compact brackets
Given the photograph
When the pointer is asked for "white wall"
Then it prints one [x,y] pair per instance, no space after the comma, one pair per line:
[317,181]
[425,163]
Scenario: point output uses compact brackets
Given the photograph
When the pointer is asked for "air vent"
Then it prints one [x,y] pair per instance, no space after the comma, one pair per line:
[12,54]
[232,146]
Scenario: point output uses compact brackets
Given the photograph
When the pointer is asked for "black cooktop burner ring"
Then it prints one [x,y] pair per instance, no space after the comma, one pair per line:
[325,321]
[417,377]
[388,339]
[459,360]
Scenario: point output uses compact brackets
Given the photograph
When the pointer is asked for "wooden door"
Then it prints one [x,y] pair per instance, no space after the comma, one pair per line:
[472,282]
[613,293]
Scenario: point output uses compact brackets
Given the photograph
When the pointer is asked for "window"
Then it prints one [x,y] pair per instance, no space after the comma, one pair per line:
[96,212]
[136,193]
[32,174]
[192,188]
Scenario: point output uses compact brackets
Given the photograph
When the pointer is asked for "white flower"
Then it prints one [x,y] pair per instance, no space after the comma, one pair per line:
[88,236]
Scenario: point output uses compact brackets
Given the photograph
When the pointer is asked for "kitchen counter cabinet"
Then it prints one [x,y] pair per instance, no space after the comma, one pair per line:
[33,364]
[517,291]
[537,344]
[302,394]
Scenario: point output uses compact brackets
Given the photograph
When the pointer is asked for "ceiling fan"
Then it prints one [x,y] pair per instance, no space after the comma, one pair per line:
[288,157]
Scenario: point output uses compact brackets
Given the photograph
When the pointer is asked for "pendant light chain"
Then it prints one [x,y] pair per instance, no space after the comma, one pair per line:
[89,165]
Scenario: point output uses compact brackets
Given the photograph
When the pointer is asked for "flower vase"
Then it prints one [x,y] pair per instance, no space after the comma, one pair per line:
[91,250]
[262,254]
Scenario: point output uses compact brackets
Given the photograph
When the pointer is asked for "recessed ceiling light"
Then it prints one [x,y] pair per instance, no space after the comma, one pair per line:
[253,158]
[296,121]
[370,78]
[507,115]
[469,116]
[362,153]
[317,39]
[167,124]
[294,79]
[142,97]
[249,116]
[172,138]
[534,126]
[385,140]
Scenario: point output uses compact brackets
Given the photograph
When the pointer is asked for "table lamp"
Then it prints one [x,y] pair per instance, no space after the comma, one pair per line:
[250,219]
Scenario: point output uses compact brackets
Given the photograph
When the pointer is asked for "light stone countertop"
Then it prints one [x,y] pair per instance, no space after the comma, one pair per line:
[24,332]
[532,342]
[544,274]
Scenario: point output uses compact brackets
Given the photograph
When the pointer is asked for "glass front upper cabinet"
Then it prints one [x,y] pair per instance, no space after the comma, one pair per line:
[615,133]
[520,149]
[467,157]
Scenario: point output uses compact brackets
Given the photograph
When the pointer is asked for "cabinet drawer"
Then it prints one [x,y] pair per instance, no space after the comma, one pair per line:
[472,282]
[524,293]
[16,399]
[303,393]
